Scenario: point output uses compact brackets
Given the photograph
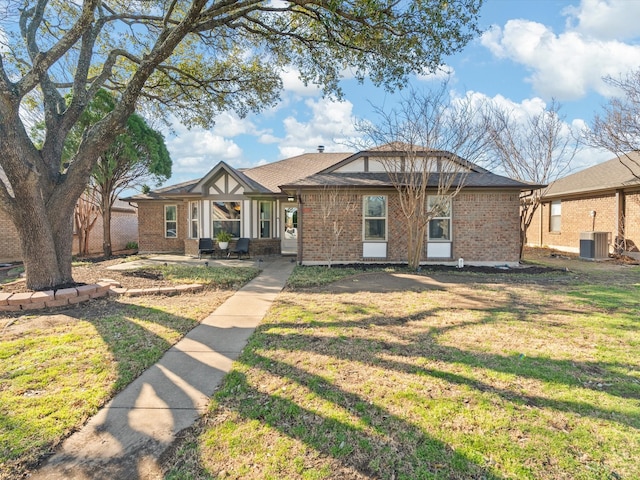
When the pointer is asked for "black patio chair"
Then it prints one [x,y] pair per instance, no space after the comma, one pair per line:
[205,245]
[241,248]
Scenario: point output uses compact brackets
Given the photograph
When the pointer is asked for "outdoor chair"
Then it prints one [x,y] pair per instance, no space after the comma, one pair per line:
[205,245]
[241,248]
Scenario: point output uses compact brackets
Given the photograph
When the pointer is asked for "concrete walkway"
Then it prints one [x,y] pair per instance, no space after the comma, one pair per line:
[126,438]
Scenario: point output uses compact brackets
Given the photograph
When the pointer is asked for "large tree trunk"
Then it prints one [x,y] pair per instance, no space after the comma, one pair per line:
[46,237]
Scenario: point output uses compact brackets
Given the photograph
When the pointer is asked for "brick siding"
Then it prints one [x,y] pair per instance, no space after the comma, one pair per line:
[151,227]
[9,241]
[485,228]
[576,218]
[124,229]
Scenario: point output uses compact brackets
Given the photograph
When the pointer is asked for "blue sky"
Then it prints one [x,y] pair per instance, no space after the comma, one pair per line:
[531,51]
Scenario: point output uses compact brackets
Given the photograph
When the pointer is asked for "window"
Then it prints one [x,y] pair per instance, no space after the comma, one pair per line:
[556,216]
[265,219]
[226,216]
[170,221]
[440,224]
[375,217]
[193,219]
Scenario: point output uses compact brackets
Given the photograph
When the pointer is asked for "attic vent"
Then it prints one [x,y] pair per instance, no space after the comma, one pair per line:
[320,148]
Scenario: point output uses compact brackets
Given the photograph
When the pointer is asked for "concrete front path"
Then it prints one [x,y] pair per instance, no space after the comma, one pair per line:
[126,438]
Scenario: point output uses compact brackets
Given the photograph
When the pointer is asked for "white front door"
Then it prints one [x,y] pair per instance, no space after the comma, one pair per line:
[289,237]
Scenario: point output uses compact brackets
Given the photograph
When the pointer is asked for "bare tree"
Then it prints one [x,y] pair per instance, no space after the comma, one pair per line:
[429,143]
[536,149]
[618,128]
[85,215]
[337,206]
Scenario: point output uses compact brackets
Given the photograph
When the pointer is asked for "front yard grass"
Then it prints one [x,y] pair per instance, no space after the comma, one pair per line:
[58,369]
[452,379]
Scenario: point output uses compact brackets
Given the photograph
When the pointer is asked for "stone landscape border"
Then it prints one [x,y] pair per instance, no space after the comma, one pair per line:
[15,302]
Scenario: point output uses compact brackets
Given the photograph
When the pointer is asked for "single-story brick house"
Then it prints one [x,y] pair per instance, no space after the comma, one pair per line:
[293,206]
[602,198]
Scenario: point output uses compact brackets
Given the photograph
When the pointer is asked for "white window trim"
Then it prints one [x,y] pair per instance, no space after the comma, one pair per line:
[450,218]
[194,220]
[557,203]
[270,219]
[385,218]
[166,221]
[240,220]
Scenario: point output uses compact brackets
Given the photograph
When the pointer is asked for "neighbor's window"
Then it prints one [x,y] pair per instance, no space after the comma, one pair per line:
[375,217]
[440,224]
[227,216]
[265,219]
[556,216]
[193,219]
[170,221]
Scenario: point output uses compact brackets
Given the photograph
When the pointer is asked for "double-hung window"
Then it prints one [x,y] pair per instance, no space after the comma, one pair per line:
[170,221]
[227,216]
[556,216]
[440,223]
[375,217]
[265,219]
[193,220]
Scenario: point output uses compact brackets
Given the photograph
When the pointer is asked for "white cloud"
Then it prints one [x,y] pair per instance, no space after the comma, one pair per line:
[194,152]
[444,72]
[605,19]
[229,124]
[331,124]
[291,83]
[565,66]
[521,111]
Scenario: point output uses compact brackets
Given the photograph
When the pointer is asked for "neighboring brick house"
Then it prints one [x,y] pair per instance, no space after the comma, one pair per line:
[602,198]
[288,207]
[124,229]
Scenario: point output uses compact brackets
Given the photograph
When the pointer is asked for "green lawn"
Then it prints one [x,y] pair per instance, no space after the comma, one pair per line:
[57,369]
[491,377]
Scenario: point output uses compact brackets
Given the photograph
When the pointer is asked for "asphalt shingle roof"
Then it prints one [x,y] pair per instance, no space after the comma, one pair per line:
[272,175]
[608,175]
[381,179]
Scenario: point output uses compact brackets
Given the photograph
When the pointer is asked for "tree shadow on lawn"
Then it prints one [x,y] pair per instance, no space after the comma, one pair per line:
[372,443]
[365,439]
[572,373]
[98,450]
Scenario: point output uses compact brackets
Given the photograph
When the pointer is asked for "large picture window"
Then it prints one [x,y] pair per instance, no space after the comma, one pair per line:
[170,221]
[440,224]
[265,219]
[375,217]
[227,216]
[193,220]
[556,216]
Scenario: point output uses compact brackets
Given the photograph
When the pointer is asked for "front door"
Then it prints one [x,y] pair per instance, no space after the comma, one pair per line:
[289,237]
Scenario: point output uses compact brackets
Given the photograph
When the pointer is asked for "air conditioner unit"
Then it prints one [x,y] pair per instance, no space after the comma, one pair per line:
[594,245]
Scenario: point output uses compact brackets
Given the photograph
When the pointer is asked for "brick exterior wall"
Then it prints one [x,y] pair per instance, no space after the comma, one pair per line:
[151,227]
[576,218]
[9,242]
[485,228]
[124,229]
[257,247]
